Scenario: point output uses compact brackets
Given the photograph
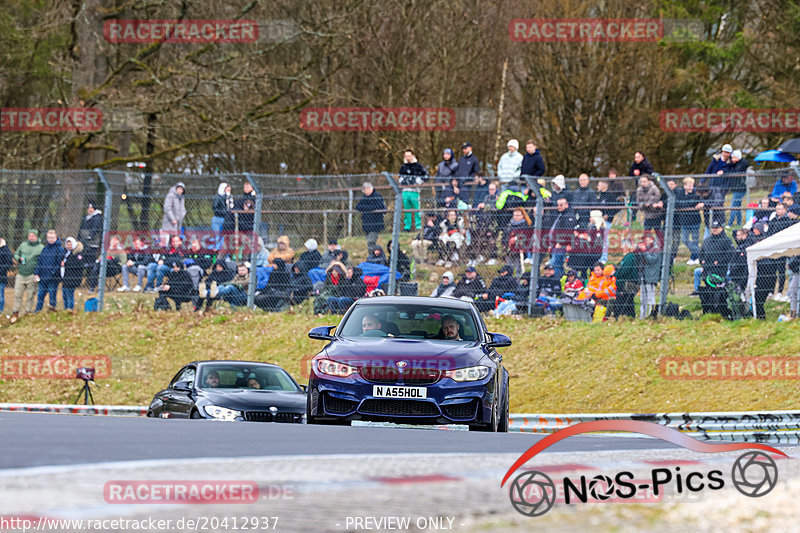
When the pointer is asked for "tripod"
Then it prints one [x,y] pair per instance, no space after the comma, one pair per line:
[86,391]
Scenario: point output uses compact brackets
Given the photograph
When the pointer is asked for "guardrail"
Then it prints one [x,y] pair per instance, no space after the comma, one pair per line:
[105,410]
[777,427]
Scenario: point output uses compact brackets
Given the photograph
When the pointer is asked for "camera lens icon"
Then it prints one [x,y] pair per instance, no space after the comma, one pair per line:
[754,474]
[532,493]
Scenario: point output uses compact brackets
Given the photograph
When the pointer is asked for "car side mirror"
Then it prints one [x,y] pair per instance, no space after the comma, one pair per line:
[321,333]
[304,387]
[498,340]
[183,386]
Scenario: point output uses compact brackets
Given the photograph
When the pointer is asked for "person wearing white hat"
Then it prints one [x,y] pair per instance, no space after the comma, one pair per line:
[310,258]
[510,165]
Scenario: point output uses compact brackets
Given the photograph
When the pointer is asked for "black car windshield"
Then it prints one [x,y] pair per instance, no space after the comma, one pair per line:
[410,321]
[245,376]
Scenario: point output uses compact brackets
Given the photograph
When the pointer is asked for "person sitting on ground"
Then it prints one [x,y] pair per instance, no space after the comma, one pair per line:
[310,258]
[157,269]
[208,289]
[763,212]
[785,184]
[453,235]
[376,255]
[572,284]
[178,288]
[403,262]
[792,208]
[115,258]
[282,251]
[470,286]
[275,295]
[262,254]
[446,287]
[137,263]
[549,286]
[426,238]
[235,291]
[334,276]
[197,262]
[300,286]
[327,257]
[502,284]
[350,289]
[601,285]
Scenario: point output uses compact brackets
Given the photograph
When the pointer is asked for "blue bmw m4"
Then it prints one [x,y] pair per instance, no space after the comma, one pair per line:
[409,359]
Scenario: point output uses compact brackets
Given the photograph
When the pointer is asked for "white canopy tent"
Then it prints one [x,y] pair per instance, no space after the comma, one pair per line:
[785,243]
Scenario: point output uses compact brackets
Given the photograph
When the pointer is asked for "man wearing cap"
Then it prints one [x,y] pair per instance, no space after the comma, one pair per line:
[26,258]
[174,209]
[412,175]
[737,183]
[468,166]
[505,282]
[532,161]
[717,252]
[470,286]
[718,183]
[510,165]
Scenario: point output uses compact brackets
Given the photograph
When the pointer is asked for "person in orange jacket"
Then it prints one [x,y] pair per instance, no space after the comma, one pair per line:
[601,285]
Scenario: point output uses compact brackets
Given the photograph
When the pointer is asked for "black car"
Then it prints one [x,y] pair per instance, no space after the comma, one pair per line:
[231,390]
[410,360]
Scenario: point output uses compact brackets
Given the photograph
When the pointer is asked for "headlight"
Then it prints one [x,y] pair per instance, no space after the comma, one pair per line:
[221,413]
[332,368]
[470,373]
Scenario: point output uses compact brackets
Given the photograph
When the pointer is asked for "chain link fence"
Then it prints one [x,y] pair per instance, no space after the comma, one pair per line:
[538,245]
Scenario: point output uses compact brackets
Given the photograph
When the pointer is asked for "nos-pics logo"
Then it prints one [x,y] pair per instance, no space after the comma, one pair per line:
[533,493]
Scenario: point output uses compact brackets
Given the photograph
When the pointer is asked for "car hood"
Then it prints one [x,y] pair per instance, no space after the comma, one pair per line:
[388,351]
[253,399]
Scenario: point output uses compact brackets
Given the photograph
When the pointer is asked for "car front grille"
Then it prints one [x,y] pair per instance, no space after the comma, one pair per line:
[338,406]
[265,416]
[411,376]
[399,408]
[460,411]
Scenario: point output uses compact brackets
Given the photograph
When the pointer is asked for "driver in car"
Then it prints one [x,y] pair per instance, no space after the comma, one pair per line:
[450,328]
[253,383]
[370,323]
[212,379]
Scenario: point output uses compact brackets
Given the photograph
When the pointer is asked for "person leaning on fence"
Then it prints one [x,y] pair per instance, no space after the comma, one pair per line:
[223,211]
[72,265]
[246,203]
[90,232]
[6,262]
[178,288]
[445,287]
[427,237]
[235,291]
[275,295]
[372,207]
[649,265]
[174,209]
[25,284]
[412,175]
[648,200]
[310,258]
[532,162]
[208,288]
[48,270]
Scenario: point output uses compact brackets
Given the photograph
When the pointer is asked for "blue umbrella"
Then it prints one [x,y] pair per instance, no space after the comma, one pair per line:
[774,155]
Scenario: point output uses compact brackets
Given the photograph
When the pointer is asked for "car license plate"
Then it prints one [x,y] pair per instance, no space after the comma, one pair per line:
[393,391]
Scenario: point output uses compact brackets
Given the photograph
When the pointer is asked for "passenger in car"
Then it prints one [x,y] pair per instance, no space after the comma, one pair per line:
[212,379]
[253,383]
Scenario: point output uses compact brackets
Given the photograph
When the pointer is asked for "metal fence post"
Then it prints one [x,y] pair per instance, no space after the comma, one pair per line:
[101,279]
[251,287]
[349,214]
[398,212]
[669,224]
[533,282]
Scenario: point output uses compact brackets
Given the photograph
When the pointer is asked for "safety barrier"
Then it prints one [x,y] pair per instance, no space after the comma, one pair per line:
[779,427]
[106,410]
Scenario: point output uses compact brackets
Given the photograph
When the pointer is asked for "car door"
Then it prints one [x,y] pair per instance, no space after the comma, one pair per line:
[179,403]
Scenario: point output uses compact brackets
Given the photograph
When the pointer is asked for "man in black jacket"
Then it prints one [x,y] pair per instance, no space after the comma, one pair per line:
[247,203]
[582,199]
[532,161]
[412,175]
[470,286]
[468,167]
[372,208]
[560,233]
[276,294]
[6,261]
[688,206]
[178,288]
[505,282]
[301,286]
[641,166]
[717,252]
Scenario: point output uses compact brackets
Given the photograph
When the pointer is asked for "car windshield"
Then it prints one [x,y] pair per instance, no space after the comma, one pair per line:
[245,376]
[409,321]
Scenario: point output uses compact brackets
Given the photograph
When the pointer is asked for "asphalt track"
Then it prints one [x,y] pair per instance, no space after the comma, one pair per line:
[34,439]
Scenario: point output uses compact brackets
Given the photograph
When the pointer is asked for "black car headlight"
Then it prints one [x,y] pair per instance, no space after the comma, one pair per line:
[470,373]
[221,413]
[333,368]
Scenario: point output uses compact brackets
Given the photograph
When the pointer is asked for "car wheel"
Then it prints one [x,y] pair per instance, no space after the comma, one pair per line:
[150,414]
[195,414]
[492,426]
[502,423]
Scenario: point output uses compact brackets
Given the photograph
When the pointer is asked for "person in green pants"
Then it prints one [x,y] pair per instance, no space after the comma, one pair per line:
[412,174]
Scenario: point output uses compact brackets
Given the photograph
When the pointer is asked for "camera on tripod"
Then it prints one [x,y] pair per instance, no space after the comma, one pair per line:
[87,375]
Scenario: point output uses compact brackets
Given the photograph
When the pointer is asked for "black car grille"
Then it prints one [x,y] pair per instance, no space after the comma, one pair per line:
[411,376]
[338,406]
[264,416]
[399,408]
[462,411]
